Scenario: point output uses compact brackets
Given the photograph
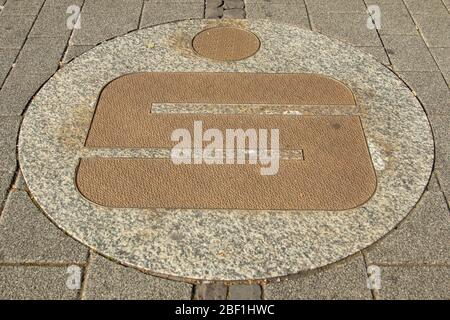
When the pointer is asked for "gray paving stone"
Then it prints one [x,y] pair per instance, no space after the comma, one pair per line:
[112,5]
[9,127]
[233,4]
[442,57]
[447,4]
[446,75]
[423,236]
[414,283]
[7,57]
[244,292]
[378,53]
[51,22]
[443,176]
[395,18]
[35,283]
[291,13]
[17,91]
[27,235]
[105,19]
[433,184]
[6,177]
[431,90]
[321,6]
[441,131]
[348,27]
[108,280]
[14,30]
[63,3]
[434,29]
[346,279]
[427,6]
[211,291]
[75,51]
[19,182]
[41,56]
[409,53]
[162,12]
[234,14]
[213,12]
[213,3]
[25,7]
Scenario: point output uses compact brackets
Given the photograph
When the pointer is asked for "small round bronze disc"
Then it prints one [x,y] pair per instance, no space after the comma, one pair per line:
[226,43]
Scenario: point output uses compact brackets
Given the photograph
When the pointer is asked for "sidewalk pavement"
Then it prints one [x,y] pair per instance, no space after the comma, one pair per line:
[39,261]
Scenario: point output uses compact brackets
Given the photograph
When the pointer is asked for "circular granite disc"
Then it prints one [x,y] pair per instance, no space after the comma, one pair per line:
[225,244]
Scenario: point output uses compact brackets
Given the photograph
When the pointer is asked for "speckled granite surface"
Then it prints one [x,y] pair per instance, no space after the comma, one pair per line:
[224,244]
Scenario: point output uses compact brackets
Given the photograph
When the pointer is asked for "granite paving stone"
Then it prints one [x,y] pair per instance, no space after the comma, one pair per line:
[14,30]
[422,237]
[7,57]
[40,56]
[434,29]
[105,19]
[409,53]
[74,51]
[347,27]
[35,283]
[26,7]
[28,236]
[415,283]
[395,18]
[426,7]
[346,279]
[210,291]
[161,12]
[244,292]
[17,91]
[108,280]
[431,89]
[292,13]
